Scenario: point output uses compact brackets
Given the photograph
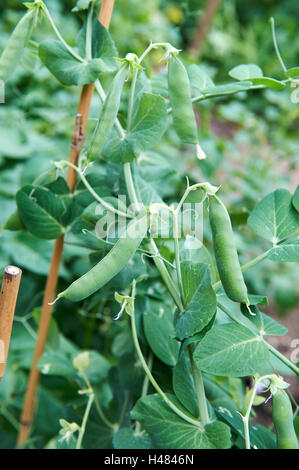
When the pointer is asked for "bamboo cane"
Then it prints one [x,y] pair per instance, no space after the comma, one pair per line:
[8,299]
[77,141]
[210,10]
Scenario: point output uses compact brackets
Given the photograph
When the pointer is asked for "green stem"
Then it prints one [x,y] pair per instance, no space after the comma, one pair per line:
[63,42]
[276,44]
[153,381]
[98,406]
[88,42]
[177,256]
[105,204]
[130,185]
[84,421]
[145,386]
[172,288]
[200,390]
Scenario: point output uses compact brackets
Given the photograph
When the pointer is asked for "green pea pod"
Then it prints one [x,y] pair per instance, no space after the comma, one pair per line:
[110,265]
[225,252]
[16,44]
[108,113]
[283,421]
[181,102]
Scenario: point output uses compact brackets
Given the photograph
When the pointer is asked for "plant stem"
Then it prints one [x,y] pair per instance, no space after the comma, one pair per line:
[63,42]
[107,206]
[153,381]
[84,422]
[177,256]
[88,42]
[245,418]
[199,388]
[172,288]
[145,386]
[276,45]
[98,406]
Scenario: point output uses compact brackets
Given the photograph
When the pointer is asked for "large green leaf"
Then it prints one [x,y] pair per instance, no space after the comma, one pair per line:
[183,384]
[260,437]
[293,72]
[201,299]
[199,79]
[231,350]
[40,211]
[67,69]
[246,72]
[103,46]
[295,199]
[126,438]
[149,122]
[265,324]
[169,431]
[274,218]
[159,331]
[255,74]
[286,252]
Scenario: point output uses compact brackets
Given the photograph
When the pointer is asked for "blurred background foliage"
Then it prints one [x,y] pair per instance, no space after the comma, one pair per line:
[251,141]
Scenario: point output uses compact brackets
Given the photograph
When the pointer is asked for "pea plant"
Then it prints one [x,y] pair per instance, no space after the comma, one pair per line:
[185,357]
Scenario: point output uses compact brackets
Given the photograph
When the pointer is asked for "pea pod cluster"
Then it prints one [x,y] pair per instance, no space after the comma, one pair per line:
[181,102]
[16,43]
[110,265]
[283,421]
[226,253]
[108,113]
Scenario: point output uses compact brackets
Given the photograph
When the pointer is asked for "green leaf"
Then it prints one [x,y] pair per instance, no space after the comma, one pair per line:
[246,72]
[67,69]
[268,82]
[201,299]
[32,253]
[260,436]
[126,438]
[286,252]
[228,88]
[40,211]
[199,79]
[293,72]
[149,122]
[56,363]
[98,368]
[265,324]
[274,218]
[231,350]
[183,384]
[168,431]
[295,199]
[159,331]
[103,46]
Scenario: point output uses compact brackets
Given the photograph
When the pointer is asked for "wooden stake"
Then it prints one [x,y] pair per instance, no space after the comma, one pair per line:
[52,280]
[8,299]
[210,10]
